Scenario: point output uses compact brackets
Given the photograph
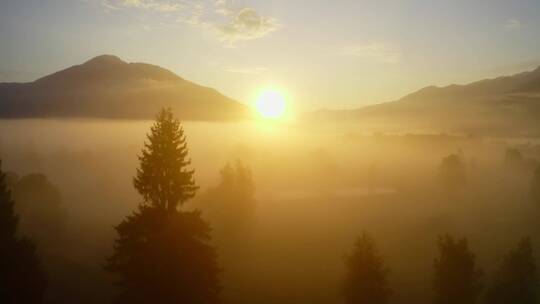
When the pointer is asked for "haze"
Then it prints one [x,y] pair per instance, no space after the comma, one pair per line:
[270,152]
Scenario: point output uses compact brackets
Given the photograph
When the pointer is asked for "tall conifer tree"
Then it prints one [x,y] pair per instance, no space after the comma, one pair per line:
[457,278]
[516,281]
[162,253]
[366,277]
[163,178]
[21,277]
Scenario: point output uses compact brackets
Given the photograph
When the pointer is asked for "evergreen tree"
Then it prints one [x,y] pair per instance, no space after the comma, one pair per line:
[457,278]
[237,188]
[21,277]
[366,276]
[513,160]
[231,204]
[516,281]
[162,253]
[453,173]
[39,203]
[163,179]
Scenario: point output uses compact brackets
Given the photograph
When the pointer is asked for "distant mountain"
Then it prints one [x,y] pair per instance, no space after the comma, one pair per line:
[507,104]
[107,87]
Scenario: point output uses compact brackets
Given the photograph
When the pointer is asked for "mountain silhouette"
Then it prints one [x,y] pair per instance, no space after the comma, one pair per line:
[506,104]
[107,87]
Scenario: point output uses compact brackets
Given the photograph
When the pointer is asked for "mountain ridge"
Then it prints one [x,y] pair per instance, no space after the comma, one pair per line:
[108,87]
[506,103]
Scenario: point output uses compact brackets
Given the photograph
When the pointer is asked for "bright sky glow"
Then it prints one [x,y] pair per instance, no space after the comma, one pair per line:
[271,104]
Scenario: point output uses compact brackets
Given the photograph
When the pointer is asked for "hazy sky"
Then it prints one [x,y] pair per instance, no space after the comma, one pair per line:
[332,54]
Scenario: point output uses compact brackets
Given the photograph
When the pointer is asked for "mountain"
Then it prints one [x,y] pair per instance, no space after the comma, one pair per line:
[107,87]
[507,104]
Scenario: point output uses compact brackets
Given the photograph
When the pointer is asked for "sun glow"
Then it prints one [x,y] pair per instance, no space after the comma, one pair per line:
[271,104]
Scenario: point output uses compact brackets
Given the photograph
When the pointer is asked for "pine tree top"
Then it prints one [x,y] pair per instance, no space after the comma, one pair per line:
[366,274]
[457,278]
[163,177]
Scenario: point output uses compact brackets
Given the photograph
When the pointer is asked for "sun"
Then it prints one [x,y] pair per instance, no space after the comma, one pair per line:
[271,104]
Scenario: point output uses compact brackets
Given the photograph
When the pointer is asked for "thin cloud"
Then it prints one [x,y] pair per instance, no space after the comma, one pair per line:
[108,7]
[155,5]
[513,24]
[229,23]
[223,8]
[194,16]
[377,52]
[246,24]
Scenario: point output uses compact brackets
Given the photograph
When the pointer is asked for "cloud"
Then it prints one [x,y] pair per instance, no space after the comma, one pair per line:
[108,7]
[246,24]
[228,22]
[194,16]
[223,7]
[375,51]
[513,24]
[155,5]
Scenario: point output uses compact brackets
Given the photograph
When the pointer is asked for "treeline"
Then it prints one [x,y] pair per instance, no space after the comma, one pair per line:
[456,276]
[453,172]
[163,251]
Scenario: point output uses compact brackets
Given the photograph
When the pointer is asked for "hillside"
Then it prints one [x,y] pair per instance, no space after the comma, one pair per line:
[509,104]
[107,87]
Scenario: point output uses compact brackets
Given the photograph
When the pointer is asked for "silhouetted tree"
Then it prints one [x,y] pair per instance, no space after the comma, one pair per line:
[21,277]
[516,281]
[453,172]
[40,205]
[244,181]
[232,202]
[513,160]
[366,275]
[456,278]
[238,181]
[163,178]
[237,187]
[162,253]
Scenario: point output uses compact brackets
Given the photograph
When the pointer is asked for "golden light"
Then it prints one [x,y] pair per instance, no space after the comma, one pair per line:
[271,104]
